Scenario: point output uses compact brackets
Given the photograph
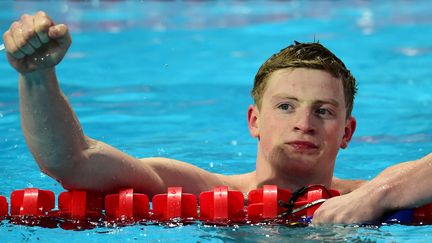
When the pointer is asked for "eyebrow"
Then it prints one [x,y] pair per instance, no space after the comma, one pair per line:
[320,101]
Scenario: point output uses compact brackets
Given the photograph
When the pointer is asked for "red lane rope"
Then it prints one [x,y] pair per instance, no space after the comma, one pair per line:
[218,206]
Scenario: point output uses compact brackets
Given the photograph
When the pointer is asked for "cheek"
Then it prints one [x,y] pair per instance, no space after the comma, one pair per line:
[271,130]
[335,134]
[273,124]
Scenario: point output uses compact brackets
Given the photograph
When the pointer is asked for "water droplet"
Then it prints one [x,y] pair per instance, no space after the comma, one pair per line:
[161,151]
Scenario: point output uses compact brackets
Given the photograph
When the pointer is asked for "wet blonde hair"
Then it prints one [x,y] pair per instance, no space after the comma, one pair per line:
[306,55]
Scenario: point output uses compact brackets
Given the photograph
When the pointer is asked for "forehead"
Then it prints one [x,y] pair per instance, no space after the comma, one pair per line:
[304,84]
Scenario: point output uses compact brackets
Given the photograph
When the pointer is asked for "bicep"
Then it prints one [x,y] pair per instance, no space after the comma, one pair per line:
[177,173]
[104,168]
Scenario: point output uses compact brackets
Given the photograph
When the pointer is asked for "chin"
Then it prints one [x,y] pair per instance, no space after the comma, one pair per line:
[299,163]
[301,167]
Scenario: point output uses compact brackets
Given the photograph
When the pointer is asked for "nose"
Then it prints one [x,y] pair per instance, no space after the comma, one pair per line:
[304,123]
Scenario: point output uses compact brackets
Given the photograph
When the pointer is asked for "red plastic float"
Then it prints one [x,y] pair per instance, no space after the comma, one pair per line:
[174,204]
[127,204]
[33,206]
[3,207]
[423,215]
[32,202]
[79,204]
[222,205]
[309,201]
[264,203]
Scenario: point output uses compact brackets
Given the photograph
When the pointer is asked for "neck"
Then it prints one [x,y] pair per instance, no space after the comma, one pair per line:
[277,173]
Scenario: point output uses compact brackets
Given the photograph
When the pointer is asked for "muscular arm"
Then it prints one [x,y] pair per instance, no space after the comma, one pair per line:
[61,149]
[34,46]
[405,185]
[50,127]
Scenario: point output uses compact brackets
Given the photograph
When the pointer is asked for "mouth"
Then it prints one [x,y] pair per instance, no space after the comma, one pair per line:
[303,146]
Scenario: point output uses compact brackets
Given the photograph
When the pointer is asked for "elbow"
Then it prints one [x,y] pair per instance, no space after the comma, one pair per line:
[60,162]
[63,170]
[65,165]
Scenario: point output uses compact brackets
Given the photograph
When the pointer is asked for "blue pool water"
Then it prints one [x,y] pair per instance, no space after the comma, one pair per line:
[172,79]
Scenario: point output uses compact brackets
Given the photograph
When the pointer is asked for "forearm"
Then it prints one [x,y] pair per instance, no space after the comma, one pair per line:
[405,185]
[402,186]
[50,126]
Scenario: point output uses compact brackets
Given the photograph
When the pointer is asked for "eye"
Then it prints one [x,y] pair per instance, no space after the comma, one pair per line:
[285,107]
[323,112]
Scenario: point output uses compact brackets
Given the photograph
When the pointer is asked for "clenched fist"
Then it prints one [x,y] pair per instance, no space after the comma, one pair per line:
[35,43]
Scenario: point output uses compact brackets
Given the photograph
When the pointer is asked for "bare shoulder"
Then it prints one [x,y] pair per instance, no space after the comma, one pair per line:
[241,182]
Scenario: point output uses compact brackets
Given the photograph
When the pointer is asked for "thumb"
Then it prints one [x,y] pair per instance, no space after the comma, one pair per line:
[60,33]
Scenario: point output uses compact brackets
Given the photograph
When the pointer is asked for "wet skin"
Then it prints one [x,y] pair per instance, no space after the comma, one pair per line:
[301,126]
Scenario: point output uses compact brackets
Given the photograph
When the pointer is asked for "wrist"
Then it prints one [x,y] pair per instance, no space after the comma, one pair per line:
[388,191]
[376,195]
[38,75]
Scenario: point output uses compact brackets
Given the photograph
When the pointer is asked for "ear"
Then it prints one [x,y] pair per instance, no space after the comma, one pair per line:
[253,120]
[350,127]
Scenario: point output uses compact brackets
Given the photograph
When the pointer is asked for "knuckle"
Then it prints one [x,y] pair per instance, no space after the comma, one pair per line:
[41,14]
[24,17]
[28,33]
[65,28]
[20,43]
[44,24]
[15,24]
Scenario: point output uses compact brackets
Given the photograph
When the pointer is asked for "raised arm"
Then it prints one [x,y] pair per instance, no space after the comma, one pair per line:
[53,133]
[405,185]
[34,46]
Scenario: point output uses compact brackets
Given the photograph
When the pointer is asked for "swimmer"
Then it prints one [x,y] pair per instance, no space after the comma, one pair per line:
[301,117]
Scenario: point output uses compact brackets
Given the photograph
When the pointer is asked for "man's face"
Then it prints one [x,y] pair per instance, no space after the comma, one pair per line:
[302,121]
